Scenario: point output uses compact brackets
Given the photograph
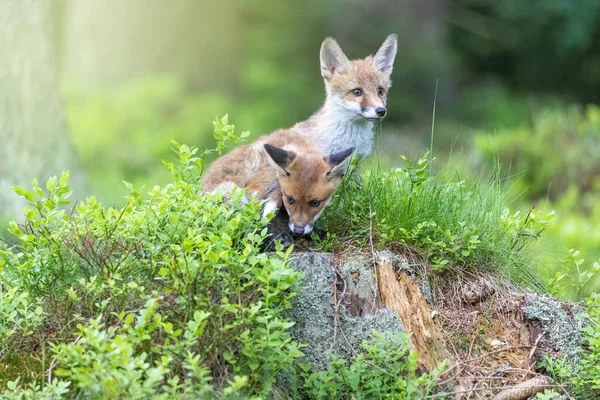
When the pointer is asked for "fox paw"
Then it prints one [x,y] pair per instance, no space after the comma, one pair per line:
[277,233]
[270,243]
[286,239]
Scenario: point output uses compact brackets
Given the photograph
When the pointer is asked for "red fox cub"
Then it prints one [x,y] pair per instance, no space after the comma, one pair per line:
[356,98]
[283,169]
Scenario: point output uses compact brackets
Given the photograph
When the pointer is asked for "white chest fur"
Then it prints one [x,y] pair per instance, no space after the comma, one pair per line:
[343,136]
[335,129]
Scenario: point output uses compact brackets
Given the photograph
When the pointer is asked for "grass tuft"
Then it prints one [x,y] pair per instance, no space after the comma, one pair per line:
[457,224]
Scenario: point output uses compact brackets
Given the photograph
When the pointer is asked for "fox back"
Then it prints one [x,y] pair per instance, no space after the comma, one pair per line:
[356,98]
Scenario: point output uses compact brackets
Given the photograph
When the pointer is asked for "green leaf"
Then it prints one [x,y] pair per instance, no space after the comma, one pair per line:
[29,196]
[129,319]
[13,228]
[226,239]
[51,184]
[30,214]
[64,178]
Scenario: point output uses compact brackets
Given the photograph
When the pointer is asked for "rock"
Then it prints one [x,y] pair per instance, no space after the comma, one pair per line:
[361,296]
[561,330]
[313,309]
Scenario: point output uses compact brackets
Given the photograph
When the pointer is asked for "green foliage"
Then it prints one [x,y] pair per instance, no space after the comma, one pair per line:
[556,159]
[547,395]
[15,390]
[577,277]
[325,243]
[524,35]
[452,222]
[387,369]
[578,229]
[119,133]
[168,296]
[20,317]
[589,365]
[583,376]
[560,150]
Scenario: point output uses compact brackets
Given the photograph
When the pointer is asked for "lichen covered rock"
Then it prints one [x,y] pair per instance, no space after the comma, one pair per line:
[560,329]
[314,310]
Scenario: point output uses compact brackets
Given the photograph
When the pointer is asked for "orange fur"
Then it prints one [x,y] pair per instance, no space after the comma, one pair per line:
[308,178]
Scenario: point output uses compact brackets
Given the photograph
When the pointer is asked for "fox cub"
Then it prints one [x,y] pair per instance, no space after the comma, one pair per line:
[356,98]
[288,168]
[285,170]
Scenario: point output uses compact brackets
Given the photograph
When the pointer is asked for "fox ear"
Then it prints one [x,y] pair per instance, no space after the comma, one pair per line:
[279,158]
[333,59]
[385,55]
[339,163]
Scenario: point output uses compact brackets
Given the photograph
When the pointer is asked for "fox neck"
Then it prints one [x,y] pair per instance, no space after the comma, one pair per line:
[336,128]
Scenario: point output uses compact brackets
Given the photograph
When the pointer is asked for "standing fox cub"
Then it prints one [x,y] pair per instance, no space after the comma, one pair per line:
[285,170]
[356,98]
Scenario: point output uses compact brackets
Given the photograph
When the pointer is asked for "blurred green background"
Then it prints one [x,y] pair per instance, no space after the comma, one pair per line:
[517,87]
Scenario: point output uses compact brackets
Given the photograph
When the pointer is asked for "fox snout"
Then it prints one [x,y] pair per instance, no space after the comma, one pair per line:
[374,113]
[300,229]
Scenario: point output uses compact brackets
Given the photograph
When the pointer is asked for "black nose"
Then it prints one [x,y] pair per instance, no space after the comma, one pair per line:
[380,111]
[298,230]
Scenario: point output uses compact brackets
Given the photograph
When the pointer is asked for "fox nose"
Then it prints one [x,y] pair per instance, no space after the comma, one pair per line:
[298,230]
[380,111]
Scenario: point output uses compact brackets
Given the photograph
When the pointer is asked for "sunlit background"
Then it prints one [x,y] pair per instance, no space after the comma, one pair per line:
[101,87]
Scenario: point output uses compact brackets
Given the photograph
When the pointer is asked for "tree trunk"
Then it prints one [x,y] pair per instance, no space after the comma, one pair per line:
[34,141]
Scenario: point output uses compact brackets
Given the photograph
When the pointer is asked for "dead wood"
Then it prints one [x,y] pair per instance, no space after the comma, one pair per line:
[402,295]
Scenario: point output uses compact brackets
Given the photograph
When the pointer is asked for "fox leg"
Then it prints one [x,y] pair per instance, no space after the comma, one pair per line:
[278,226]
[270,207]
[278,231]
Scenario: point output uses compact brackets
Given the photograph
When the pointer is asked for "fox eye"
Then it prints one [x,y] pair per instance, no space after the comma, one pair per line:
[357,92]
[291,200]
[314,203]
[380,91]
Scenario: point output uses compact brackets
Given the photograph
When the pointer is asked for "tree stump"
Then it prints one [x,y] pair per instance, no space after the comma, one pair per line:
[402,295]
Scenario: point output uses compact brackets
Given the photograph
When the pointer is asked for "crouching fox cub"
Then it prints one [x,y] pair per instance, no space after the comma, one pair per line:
[285,170]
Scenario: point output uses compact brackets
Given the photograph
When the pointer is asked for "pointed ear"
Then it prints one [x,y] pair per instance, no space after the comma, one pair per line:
[385,55]
[333,59]
[279,158]
[339,163]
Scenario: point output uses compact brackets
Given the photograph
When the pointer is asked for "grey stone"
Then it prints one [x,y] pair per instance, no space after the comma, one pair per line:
[313,309]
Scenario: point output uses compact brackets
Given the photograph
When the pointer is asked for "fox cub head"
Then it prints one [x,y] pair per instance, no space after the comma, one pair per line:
[359,86]
[308,182]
